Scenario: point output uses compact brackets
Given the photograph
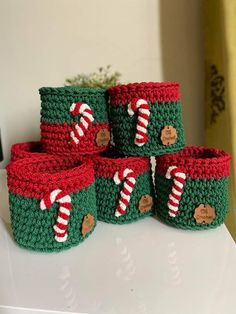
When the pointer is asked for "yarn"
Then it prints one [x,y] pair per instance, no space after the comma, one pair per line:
[109,193]
[128,176]
[56,102]
[197,162]
[35,150]
[25,150]
[154,91]
[85,121]
[177,189]
[143,116]
[207,172]
[39,181]
[165,110]
[61,128]
[64,200]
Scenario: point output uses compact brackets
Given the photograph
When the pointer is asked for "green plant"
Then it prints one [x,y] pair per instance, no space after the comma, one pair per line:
[103,78]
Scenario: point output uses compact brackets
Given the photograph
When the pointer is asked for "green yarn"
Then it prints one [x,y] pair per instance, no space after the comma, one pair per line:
[161,114]
[56,103]
[108,195]
[213,192]
[33,227]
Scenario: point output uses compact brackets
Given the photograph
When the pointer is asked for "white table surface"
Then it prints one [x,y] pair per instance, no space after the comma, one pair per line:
[142,268]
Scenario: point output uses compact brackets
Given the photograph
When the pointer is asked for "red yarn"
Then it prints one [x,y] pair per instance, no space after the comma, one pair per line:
[25,150]
[34,149]
[36,177]
[76,109]
[107,166]
[197,162]
[153,92]
[56,139]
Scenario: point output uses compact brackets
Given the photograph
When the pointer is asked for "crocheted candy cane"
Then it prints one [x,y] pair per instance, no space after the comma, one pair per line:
[64,200]
[143,117]
[85,121]
[177,189]
[126,191]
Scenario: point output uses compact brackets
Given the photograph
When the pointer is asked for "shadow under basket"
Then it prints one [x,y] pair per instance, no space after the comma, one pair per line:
[52,202]
[124,188]
[192,188]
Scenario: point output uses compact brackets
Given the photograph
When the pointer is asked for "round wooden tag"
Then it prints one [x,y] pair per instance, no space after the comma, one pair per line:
[145,203]
[168,135]
[87,224]
[204,214]
[103,137]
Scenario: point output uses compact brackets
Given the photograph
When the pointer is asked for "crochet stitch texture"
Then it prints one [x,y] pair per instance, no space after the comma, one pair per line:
[207,172]
[30,180]
[165,110]
[108,192]
[58,122]
[26,150]
[35,150]
[59,187]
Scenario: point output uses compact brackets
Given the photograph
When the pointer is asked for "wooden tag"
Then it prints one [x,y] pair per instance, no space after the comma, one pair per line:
[145,203]
[87,224]
[103,137]
[168,135]
[204,214]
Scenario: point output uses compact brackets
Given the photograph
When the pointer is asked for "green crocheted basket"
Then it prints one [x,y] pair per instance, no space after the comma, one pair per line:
[74,119]
[52,202]
[146,118]
[124,187]
[192,188]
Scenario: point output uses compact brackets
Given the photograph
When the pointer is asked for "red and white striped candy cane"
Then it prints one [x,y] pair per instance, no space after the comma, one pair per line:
[63,216]
[128,176]
[143,117]
[177,189]
[85,121]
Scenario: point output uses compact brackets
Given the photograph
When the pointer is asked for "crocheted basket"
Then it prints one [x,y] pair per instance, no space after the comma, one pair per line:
[74,119]
[146,118]
[52,202]
[35,150]
[124,187]
[26,150]
[192,187]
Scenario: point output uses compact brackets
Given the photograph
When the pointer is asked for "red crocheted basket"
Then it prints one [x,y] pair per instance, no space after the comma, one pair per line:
[26,150]
[35,150]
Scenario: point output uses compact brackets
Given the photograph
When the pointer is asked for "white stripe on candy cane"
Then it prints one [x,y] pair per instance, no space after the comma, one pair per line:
[79,129]
[128,177]
[63,216]
[143,118]
[179,178]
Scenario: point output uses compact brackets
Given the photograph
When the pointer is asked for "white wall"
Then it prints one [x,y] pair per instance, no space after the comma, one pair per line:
[42,42]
